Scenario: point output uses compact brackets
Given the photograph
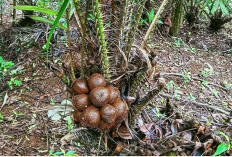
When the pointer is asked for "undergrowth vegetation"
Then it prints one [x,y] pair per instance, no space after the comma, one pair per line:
[163,56]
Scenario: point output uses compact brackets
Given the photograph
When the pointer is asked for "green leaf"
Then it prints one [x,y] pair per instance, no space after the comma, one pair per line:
[17,82]
[50,152]
[224,9]
[204,82]
[221,149]
[61,12]
[69,120]
[159,21]
[151,15]
[1,116]
[223,134]
[227,3]
[70,152]
[34,8]
[206,4]
[215,6]
[58,153]
[41,19]
[13,72]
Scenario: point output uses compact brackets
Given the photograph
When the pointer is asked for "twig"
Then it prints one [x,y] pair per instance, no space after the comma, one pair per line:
[78,129]
[166,138]
[98,149]
[218,124]
[197,103]
[194,78]
[155,20]
[4,101]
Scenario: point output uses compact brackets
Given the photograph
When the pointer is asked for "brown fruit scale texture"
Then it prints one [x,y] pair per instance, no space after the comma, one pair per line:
[80,86]
[91,117]
[99,96]
[114,94]
[77,116]
[96,80]
[111,108]
[108,113]
[105,127]
[121,108]
[80,102]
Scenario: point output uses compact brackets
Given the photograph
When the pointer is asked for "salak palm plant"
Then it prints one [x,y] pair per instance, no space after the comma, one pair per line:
[122,22]
[218,11]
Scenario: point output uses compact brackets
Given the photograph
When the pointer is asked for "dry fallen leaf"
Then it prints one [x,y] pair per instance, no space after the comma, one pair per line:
[115,134]
[230,105]
[187,136]
[197,145]
[201,129]
[119,148]
[167,131]
[208,144]
[140,121]
[45,95]
[159,132]
[146,128]
[8,151]
[124,132]
[174,128]
[66,139]
[130,100]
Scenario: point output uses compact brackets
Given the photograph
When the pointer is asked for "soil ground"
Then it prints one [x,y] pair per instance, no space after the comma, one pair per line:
[196,100]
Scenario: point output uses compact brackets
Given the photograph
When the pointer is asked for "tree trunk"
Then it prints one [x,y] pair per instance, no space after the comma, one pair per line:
[177,17]
[14,12]
[1,3]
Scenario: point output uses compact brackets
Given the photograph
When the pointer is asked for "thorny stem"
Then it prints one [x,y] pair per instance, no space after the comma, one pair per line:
[122,21]
[129,11]
[14,11]
[101,36]
[1,3]
[69,46]
[83,50]
[77,16]
[131,36]
[177,18]
[139,106]
[114,10]
[79,13]
[137,82]
[79,23]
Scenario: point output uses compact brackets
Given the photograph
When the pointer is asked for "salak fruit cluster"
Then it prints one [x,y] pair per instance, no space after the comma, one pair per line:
[97,105]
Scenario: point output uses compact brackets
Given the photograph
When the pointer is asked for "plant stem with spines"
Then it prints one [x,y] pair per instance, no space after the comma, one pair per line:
[101,36]
[131,35]
[137,82]
[69,46]
[140,105]
[83,50]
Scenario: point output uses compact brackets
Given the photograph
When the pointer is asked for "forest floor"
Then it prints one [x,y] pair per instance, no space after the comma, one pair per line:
[181,120]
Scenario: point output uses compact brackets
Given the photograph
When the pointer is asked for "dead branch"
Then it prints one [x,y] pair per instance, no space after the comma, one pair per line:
[194,78]
[217,108]
[155,20]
